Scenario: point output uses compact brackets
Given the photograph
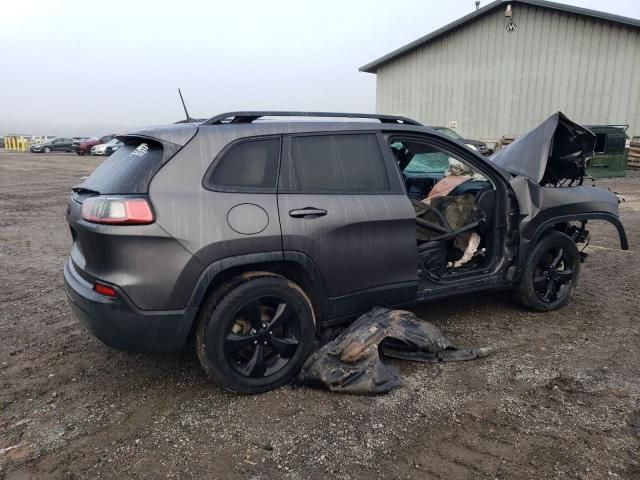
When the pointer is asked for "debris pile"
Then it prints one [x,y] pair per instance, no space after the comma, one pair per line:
[352,362]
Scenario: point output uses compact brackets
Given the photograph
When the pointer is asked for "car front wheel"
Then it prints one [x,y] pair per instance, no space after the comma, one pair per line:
[46,150]
[255,332]
[551,273]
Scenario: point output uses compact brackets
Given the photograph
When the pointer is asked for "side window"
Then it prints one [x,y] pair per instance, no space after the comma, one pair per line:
[432,161]
[252,164]
[419,159]
[350,163]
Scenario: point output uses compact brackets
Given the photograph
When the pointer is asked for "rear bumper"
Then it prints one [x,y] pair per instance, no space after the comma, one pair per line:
[119,324]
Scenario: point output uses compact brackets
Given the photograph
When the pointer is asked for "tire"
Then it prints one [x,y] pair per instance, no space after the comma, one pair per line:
[46,150]
[255,316]
[551,273]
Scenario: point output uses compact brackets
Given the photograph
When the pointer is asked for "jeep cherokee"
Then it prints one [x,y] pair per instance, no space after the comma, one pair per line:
[251,230]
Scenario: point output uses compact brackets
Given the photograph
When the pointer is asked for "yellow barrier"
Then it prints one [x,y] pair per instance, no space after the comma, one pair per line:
[16,143]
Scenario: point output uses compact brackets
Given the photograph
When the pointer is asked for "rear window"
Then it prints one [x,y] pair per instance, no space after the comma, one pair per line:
[336,164]
[130,168]
[252,165]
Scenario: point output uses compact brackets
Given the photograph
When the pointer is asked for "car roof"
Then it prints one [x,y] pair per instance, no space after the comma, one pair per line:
[181,133]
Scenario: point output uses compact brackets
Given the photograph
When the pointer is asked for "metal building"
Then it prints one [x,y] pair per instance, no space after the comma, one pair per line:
[506,67]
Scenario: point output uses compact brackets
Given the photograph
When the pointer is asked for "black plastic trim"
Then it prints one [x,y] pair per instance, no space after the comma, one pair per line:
[526,244]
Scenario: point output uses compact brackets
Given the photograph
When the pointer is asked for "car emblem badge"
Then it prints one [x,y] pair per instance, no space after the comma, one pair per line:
[141,150]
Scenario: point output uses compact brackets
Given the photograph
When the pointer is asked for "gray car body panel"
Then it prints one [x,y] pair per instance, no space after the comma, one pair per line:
[211,239]
[155,271]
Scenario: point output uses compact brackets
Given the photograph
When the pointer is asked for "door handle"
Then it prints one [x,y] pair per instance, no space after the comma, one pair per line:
[307,212]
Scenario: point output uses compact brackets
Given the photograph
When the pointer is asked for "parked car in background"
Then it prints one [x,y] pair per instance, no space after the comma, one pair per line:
[112,146]
[41,138]
[98,149]
[83,147]
[101,149]
[227,232]
[59,144]
[473,144]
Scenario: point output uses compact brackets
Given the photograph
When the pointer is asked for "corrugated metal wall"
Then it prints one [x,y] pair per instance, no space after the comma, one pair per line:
[493,82]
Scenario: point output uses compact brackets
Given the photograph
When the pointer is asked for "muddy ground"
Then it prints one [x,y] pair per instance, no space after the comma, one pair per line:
[559,399]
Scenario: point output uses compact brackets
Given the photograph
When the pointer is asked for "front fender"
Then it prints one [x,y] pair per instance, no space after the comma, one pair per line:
[542,207]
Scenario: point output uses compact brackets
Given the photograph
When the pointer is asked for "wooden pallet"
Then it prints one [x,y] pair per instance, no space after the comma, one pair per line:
[504,141]
[633,161]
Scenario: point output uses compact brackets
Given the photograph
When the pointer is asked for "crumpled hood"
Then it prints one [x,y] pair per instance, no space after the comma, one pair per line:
[555,150]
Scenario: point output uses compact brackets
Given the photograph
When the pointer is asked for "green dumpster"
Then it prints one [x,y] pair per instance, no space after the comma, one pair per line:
[610,154]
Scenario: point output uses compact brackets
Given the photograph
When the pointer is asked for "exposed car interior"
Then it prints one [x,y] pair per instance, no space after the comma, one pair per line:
[454,207]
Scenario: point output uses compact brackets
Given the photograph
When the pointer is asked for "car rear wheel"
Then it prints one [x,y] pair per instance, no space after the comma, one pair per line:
[255,333]
[551,273]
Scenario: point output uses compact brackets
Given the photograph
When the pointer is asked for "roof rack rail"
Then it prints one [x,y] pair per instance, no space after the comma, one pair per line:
[249,117]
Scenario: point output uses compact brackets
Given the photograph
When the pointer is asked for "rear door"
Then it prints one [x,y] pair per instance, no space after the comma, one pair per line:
[65,144]
[342,204]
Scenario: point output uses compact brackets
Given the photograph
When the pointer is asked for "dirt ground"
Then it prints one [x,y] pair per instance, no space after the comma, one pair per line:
[559,399]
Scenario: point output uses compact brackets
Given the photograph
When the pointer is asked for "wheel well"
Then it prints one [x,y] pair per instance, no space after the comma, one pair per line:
[290,270]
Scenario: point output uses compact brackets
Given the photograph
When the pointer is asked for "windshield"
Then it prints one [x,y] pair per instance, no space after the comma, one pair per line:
[450,133]
[432,162]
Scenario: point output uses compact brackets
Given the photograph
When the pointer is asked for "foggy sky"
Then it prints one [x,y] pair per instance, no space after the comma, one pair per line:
[84,67]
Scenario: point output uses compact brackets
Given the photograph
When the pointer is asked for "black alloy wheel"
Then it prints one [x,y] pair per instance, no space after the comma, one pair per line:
[254,332]
[263,337]
[550,274]
[553,275]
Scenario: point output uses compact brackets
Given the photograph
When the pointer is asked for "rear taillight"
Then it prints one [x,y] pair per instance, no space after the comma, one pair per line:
[105,290]
[117,210]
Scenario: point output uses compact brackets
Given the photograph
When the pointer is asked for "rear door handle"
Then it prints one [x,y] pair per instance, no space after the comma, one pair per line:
[307,212]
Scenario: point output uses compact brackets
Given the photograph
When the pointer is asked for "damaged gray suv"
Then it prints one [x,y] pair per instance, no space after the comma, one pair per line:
[249,231]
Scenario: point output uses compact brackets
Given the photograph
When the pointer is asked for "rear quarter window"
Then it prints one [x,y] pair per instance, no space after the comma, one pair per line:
[247,165]
[130,168]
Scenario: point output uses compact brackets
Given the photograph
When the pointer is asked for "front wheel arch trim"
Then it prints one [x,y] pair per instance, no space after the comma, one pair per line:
[526,244]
